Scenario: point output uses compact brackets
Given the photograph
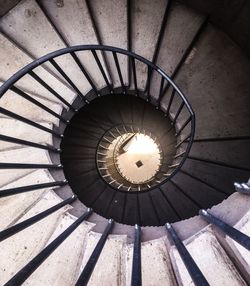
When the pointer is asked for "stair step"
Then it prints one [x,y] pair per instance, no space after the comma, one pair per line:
[155,264]
[146,25]
[65,261]
[15,103]
[111,257]
[202,75]
[17,129]
[182,24]
[27,24]
[27,155]
[241,254]
[73,22]
[210,257]
[17,250]
[13,59]
[111,21]
[12,207]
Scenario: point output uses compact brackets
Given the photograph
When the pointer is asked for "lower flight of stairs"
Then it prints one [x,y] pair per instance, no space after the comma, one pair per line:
[222,260]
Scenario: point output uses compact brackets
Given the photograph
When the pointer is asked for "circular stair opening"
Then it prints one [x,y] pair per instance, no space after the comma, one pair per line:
[131,157]
[119,144]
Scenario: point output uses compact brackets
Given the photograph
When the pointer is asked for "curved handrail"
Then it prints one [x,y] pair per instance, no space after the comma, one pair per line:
[9,84]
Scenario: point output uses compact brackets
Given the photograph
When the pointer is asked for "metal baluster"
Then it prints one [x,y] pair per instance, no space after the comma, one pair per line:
[4,234]
[29,143]
[51,90]
[29,166]
[182,141]
[29,188]
[37,103]
[102,70]
[28,121]
[242,188]
[83,70]
[60,70]
[29,268]
[89,267]
[119,71]
[178,112]
[192,268]
[183,126]
[134,75]
[170,102]
[136,267]
[235,234]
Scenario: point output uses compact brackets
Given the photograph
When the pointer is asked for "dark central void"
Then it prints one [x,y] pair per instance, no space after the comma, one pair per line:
[86,139]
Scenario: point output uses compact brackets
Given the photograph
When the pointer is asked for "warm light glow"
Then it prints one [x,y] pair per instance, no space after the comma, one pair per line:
[141,144]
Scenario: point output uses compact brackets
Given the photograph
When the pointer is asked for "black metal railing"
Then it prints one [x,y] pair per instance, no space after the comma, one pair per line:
[178,109]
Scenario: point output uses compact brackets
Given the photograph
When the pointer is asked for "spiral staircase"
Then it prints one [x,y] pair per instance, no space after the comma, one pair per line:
[83,81]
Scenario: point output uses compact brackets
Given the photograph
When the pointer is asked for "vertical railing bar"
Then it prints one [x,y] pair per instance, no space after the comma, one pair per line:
[136,265]
[59,69]
[102,70]
[194,271]
[66,42]
[29,166]
[119,71]
[170,102]
[99,39]
[85,73]
[159,40]
[243,188]
[29,143]
[134,75]
[232,232]
[6,233]
[178,112]
[148,83]
[28,121]
[182,141]
[129,38]
[89,267]
[29,188]
[161,89]
[161,33]
[183,126]
[37,103]
[50,89]
[31,266]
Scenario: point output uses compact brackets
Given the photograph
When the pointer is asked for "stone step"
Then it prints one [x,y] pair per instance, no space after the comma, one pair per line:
[181,26]
[18,250]
[108,270]
[111,20]
[240,254]
[13,59]
[65,261]
[72,20]
[210,257]
[27,155]
[155,264]
[13,207]
[15,103]
[30,28]
[146,24]
[20,130]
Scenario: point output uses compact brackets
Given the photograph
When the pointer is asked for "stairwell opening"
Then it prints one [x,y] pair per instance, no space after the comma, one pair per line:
[118,143]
